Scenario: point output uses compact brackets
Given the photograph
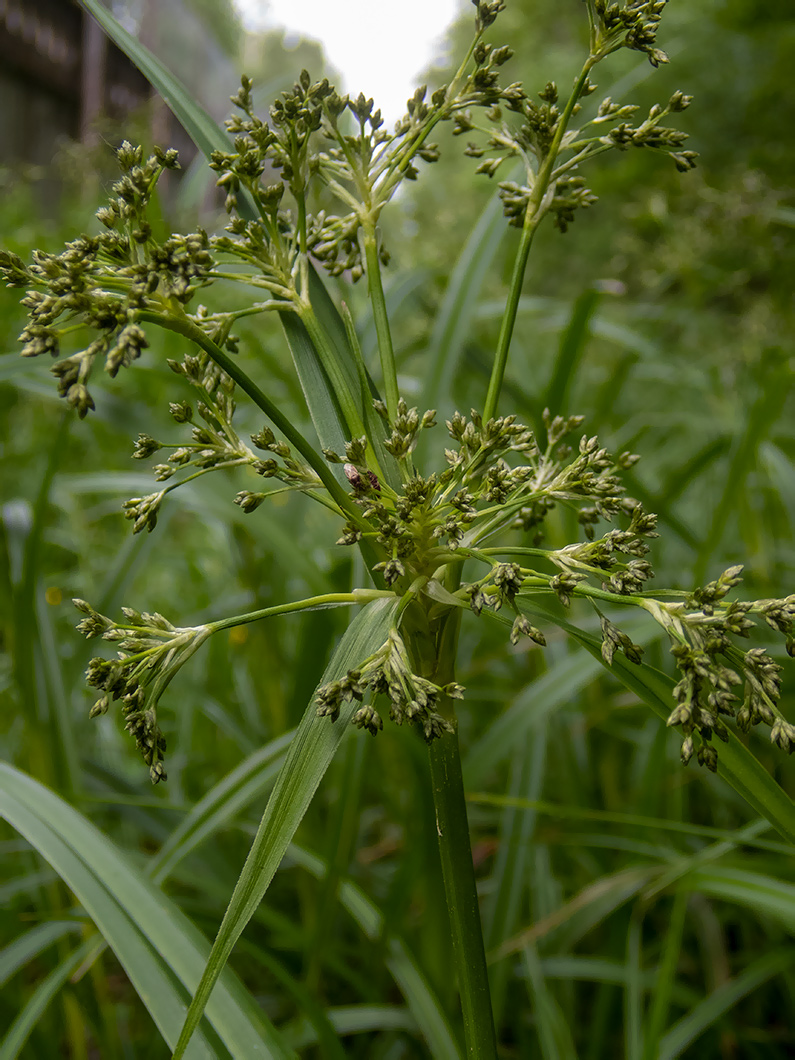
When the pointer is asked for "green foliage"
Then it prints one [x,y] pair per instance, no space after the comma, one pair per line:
[550,739]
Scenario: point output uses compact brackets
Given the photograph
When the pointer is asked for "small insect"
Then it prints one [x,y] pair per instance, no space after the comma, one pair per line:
[355,479]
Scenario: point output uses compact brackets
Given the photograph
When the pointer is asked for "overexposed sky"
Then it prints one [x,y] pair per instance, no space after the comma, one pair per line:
[380,46]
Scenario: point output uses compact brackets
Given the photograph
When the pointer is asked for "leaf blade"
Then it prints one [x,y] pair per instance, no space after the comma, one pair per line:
[310,753]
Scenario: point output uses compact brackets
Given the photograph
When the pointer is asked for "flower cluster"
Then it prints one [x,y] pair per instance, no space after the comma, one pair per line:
[388,671]
[102,283]
[550,151]
[604,557]
[150,652]
[215,445]
[314,134]
[632,24]
[702,627]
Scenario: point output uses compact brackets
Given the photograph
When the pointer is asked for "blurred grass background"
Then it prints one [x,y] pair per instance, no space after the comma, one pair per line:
[610,875]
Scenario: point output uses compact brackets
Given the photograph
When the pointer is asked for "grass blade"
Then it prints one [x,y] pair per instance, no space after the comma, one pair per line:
[155,943]
[422,1002]
[570,352]
[30,944]
[37,1003]
[534,703]
[720,1001]
[666,977]
[554,1035]
[511,869]
[237,790]
[766,409]
[633,989]
[458,307]
[766,896]
[310,753]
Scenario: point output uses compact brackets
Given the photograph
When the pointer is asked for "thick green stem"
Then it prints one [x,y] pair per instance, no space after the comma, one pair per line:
[378,302]
[186,327]
[452,828]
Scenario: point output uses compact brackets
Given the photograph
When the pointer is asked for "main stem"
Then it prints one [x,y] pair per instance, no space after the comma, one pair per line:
[458,872]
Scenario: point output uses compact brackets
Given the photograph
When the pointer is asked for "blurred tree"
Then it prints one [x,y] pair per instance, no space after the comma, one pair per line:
[275,57]
[222,22]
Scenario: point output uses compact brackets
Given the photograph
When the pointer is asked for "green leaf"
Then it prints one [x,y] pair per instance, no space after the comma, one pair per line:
[238,789]
[311,751]
[420,998]
[504,903]
[459,305]
[664,987]
[773,387]
[324,406]
[354,1019]
[721,1001]
[767,897]
[155,943]
[37,1003]
[30,944]
[535,703]
[570,352]
[563,927]
[554,1035]
[220,805]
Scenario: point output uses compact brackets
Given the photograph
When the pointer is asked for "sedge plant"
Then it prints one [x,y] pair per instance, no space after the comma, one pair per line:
[465,535]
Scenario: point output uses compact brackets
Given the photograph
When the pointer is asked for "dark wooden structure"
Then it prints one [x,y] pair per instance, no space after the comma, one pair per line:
[59,73]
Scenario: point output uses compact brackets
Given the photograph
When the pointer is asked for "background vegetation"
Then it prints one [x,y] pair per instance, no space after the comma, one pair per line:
[632,908]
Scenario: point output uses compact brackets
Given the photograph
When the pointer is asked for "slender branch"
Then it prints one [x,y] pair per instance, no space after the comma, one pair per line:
[312,603]
[509,320]
[186,327]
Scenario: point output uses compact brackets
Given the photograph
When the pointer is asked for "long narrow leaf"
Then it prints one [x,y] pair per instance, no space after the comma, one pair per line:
[720,1001]
[420,998]
[570,352]
[155,943]
[533,705]
[310,753]
[30,944]
[202,129]
[37,1003]
[238,789]
[458,307]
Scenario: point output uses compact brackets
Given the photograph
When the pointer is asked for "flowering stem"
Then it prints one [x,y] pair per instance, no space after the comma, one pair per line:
[312,603]
[535,212]
[508,320]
